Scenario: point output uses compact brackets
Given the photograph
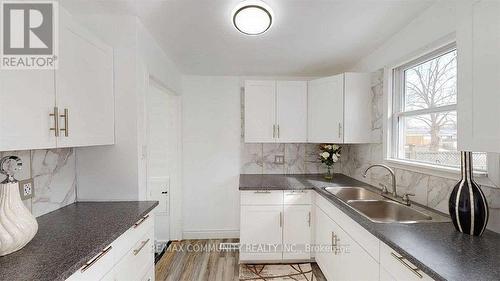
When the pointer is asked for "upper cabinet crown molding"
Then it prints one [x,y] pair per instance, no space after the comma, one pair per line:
[478,39]
[67,107]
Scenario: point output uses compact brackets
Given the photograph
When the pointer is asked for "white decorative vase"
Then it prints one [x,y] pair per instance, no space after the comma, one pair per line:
[17,225]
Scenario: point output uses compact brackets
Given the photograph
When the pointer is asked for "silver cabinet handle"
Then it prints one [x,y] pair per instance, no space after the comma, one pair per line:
[139,222]
[334,239]
[96,258]
[309,219]
[138,250]
[274,131]
[401,259]
[340,130]
[278,126]
[55,115]
[65,116]
[281,219]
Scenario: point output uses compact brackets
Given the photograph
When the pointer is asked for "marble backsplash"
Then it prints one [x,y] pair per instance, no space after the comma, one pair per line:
[299,158]
[54,175]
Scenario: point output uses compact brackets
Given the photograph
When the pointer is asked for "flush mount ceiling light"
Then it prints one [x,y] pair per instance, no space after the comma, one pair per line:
[252,17]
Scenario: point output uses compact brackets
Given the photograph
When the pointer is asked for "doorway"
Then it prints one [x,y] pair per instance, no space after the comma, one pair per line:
[163,129]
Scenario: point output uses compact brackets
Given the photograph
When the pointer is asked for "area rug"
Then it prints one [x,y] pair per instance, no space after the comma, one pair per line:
[277,272]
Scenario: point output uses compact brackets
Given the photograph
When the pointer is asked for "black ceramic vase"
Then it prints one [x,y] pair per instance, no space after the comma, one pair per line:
[468,207]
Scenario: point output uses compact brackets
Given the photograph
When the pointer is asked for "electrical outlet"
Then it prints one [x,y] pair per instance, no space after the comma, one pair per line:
[26,189]
[279,159]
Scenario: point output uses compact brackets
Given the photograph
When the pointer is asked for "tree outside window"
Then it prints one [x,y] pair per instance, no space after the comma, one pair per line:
[426,111]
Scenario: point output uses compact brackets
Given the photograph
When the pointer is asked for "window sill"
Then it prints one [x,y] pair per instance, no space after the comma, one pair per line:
[439,171]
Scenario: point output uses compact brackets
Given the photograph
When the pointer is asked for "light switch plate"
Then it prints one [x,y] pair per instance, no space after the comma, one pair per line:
[26,189]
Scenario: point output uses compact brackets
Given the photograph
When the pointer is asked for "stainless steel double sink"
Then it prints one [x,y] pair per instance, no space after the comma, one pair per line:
[376,207]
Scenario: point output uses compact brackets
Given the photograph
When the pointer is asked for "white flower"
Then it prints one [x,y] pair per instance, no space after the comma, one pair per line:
[335,158]
[335,147]
[328,147]
[325,155]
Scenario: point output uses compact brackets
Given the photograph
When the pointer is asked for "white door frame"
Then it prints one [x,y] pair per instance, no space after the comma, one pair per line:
[175,206]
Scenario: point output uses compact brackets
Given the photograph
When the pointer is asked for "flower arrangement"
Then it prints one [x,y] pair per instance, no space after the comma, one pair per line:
[329,155]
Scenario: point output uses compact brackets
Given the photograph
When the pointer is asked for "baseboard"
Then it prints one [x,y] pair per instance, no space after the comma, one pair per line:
[211,234]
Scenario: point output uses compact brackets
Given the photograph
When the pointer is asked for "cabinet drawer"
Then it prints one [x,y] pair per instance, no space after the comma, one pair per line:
[297,197]
[104,265]
[138,260]
[96,267]
[262,197]
[128,239]
[398,266]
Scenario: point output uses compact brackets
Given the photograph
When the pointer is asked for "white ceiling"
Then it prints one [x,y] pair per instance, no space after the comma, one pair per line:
[308,37]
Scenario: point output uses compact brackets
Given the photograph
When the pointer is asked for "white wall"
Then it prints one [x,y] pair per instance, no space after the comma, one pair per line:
[118,172]
[434,24]
[211,156]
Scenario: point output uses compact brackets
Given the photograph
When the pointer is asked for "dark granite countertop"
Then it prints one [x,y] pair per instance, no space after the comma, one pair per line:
[436,248]
[69,237]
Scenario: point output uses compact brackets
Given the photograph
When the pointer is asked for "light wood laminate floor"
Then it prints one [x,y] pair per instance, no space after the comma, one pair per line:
[200,260]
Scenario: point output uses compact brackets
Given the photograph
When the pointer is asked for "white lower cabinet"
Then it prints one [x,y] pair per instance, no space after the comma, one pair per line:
[324,243]
[261,233]
[343,249]
[129,258]
[296,232]
[398,267]
[346,251]
[386,276]
[275,226]
[340,256]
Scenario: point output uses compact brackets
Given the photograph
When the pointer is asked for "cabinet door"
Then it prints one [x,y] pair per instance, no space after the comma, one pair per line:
[357,108]
[323,240]
[27,97]
[260,111]
[261,233]
[349,255]
[291,111]
[338,255]
[326,109]
[478,38]
[84,87]
[296,232]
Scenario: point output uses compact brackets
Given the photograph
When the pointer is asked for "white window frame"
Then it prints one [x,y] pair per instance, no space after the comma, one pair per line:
[490,178]
[398,100]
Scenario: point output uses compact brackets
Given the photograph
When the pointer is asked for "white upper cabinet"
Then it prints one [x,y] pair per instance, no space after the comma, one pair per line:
[339,109]
[71,106]
[84,87]
[357,108]
[326,109]
[26,100]
[275,111]
[478,41]
[291,117]
[260,111]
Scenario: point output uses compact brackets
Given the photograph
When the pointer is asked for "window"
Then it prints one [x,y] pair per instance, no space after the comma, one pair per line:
[425,111]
